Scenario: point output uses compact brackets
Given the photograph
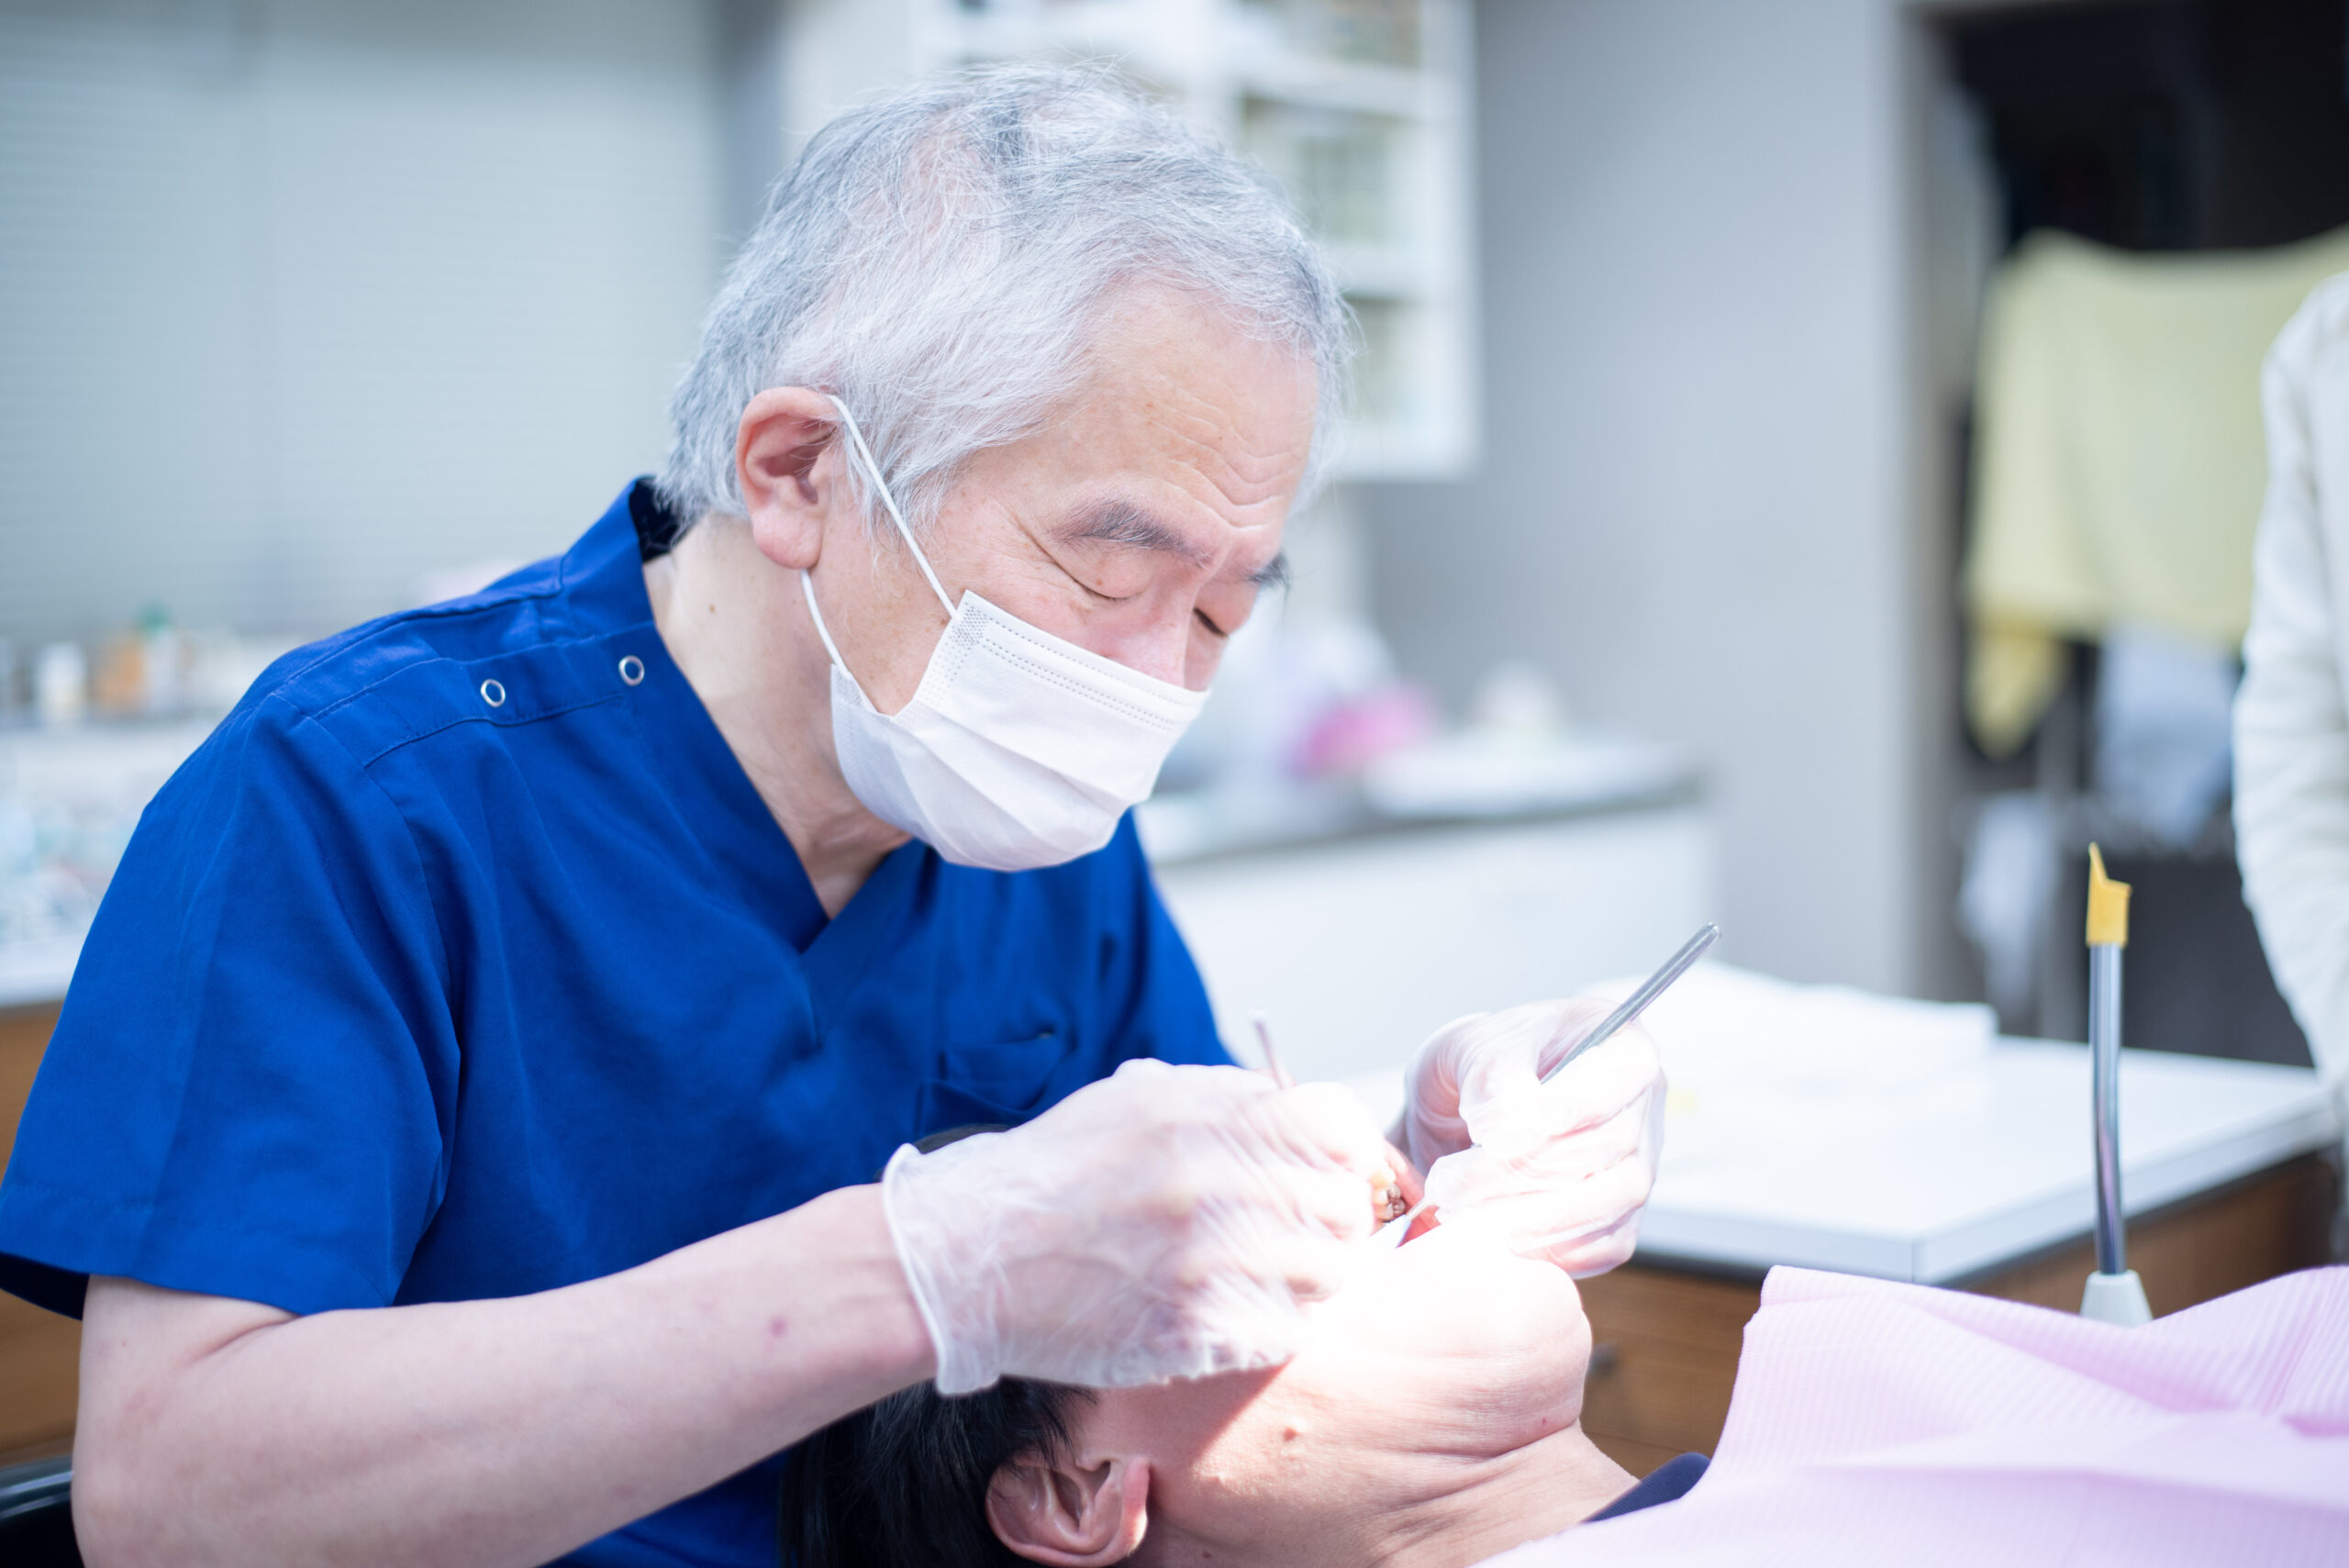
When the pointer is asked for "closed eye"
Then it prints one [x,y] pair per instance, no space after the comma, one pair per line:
[1093,593]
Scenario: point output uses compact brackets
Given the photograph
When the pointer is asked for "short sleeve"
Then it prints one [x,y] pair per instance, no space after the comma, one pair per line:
[249,1087]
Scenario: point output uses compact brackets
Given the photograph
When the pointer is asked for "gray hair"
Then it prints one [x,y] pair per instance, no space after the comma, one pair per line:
[938,260]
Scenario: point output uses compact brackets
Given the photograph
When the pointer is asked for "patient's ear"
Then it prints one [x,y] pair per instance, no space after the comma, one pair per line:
[1071,1518]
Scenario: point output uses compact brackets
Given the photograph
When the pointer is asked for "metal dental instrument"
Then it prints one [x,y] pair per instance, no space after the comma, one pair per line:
[2114,1293]
[1676,966]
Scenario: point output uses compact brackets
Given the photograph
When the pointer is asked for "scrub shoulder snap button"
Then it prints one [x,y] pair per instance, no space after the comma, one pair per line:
[633,670]
[492,694]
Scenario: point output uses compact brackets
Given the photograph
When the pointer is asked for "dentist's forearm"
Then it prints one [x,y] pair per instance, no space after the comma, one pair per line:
[478,1433]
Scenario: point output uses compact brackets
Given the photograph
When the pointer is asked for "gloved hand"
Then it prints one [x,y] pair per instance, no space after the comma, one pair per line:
[1164,1222]
[1559,1169]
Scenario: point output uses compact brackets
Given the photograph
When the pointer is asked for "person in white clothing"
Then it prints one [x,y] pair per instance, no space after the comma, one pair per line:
[2291,723]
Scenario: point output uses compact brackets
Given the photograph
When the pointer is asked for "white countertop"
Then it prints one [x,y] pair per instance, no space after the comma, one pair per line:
[1991,1164]
[1981,1163]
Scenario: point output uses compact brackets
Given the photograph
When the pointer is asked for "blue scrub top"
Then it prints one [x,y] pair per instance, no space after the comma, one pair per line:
[456,965]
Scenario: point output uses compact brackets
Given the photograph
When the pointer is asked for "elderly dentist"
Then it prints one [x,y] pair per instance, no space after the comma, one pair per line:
[460,1137]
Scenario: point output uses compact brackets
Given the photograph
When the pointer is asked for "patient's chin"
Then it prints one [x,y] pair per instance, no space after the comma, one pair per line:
[1438,1358]
[1453,1346]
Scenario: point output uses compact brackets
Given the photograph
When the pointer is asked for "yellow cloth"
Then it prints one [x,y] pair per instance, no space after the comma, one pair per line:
[2119,459]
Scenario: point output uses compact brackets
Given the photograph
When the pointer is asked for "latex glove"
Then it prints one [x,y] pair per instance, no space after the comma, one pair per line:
[1164,1222]
[1559,1170]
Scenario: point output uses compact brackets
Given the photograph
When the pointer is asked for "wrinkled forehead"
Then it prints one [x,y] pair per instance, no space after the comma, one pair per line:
[1175,463]
[1179,410]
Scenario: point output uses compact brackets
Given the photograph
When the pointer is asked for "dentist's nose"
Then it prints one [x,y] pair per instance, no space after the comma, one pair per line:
[1162,652]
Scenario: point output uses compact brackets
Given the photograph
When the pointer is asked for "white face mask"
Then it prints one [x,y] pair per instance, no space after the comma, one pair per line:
[1018,750]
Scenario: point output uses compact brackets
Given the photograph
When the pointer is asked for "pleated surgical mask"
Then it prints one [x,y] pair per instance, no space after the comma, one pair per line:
[1020,749]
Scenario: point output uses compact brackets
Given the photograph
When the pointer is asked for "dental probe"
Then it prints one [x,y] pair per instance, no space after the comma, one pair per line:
[2114,1293]
[1676,966]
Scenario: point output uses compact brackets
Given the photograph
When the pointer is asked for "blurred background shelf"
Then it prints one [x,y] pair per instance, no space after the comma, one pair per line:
[1363,109]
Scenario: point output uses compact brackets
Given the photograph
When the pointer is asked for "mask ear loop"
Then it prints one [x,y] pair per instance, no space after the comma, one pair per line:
[872,471]
[807,586]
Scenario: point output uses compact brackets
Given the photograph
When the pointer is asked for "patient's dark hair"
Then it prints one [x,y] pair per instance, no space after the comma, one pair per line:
[904,1484]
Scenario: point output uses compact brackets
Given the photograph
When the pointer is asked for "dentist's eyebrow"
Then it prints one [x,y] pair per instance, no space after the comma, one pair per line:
[1126,525]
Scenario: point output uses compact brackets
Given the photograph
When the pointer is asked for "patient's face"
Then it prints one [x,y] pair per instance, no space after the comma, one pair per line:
[1441,1357]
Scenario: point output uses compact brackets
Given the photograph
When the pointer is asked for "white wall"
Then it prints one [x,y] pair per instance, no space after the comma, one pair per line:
[1694,508]
[300,299]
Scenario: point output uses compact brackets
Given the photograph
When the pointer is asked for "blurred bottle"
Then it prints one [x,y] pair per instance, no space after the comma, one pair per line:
[61,685]
[143,673]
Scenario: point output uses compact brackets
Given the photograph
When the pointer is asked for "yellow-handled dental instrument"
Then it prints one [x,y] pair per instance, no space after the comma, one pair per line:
[2114,1293]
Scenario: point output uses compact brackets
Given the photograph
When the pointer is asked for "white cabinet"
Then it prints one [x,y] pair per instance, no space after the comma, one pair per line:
[1357,949]
[1363,109]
